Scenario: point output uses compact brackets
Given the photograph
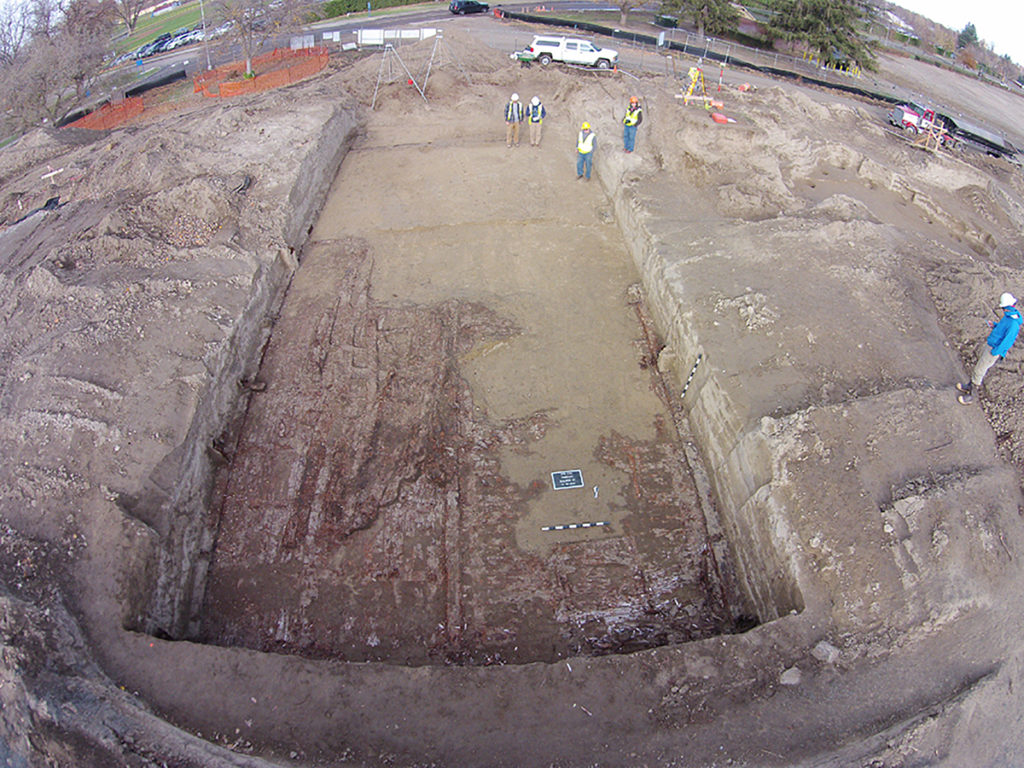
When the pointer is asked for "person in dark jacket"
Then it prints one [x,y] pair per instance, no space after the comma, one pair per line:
[1004,333]
[535,114]
[513,119]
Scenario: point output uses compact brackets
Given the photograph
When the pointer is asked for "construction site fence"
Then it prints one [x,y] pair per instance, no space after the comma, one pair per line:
[159,81]
[116,113]
[725,53]
[711,54]
[308,61]
[110,115]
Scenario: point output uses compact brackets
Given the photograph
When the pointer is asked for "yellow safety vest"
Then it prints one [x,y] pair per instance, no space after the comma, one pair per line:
[585,143]
[632,116]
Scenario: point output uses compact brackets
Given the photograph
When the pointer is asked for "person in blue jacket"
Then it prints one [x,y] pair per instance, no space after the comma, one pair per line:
[1004,333]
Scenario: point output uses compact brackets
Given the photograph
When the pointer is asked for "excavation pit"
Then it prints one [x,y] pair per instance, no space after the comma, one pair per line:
[851,487]
[390,484]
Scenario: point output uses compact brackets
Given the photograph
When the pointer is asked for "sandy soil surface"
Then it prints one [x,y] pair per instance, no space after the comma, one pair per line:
[242,411]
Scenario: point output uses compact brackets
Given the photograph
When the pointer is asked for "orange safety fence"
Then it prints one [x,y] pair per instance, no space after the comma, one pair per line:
[312,60]
[309,61]
[110,115]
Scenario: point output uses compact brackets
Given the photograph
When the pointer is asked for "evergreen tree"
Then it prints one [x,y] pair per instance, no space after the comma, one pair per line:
[711,17]
[833,29]
[968,36]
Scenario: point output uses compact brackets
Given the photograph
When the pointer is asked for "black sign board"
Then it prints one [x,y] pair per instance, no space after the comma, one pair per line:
[567,478]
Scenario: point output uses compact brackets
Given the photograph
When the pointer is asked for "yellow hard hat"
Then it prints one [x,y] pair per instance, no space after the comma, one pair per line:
[585,127]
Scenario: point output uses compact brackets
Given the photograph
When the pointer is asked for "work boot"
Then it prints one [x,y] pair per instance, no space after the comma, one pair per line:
[965,399]
[965,387]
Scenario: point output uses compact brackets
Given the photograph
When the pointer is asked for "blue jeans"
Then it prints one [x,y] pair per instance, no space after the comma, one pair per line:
[584,160]
[629,137]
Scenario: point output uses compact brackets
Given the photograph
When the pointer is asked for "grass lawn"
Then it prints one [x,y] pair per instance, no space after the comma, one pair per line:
[604,18]
[151,27]
[390,10]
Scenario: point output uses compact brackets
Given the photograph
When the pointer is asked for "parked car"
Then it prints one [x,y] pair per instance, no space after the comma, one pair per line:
[146,50]
[164,46]
[571,50]
[220,31]
[154,47]
[462,7]
[186,38]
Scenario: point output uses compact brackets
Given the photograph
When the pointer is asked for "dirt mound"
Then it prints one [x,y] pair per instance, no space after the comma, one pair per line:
[447,65]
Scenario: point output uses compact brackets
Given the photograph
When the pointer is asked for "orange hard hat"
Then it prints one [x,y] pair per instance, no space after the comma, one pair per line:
[634,100]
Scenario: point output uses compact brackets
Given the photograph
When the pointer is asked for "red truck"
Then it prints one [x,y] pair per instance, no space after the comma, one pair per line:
[914,119]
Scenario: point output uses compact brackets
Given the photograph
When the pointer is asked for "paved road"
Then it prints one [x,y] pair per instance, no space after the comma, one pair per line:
[194,58]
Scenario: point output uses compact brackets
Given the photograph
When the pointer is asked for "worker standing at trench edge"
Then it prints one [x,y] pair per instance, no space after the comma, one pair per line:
[634,116]
[535,114]
[584,151]
[513,119]
[998,343]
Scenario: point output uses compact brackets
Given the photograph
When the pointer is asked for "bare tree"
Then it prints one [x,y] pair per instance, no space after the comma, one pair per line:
[625,6]
[129,11]
[46,16]
[253,22]
[84,39]
[15,21]
[56,63]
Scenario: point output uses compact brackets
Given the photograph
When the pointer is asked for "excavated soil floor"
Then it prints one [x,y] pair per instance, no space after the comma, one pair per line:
[432,366]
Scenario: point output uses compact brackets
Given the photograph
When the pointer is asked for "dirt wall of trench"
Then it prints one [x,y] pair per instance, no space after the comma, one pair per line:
[797,306]
[740,460]
[181,580]
[135,314]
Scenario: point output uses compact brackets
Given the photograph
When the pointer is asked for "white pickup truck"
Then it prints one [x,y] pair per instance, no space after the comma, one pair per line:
[569,50]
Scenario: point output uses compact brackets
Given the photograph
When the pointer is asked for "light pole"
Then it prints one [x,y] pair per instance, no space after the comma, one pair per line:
[206,44]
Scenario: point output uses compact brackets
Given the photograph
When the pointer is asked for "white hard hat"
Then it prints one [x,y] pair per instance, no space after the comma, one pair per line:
[1007,300]
[515,97]
[535,101]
